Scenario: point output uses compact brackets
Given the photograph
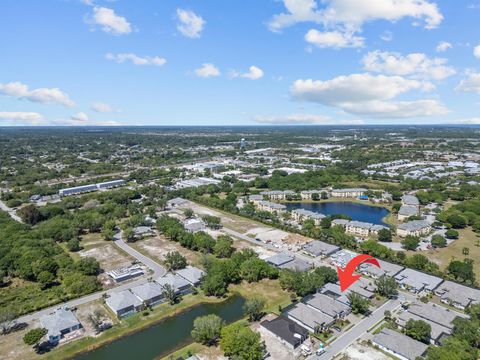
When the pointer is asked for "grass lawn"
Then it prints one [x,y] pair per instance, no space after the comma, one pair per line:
[268,290]
[468,239]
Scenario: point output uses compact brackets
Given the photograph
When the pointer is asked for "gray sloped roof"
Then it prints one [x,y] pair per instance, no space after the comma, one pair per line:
[147,291]
[176,281]
[400,344]
[317,248]
[191,274]
[57,321]
[122,300]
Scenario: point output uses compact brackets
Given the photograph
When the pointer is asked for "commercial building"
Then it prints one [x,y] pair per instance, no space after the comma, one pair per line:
[59,323]
[319,248]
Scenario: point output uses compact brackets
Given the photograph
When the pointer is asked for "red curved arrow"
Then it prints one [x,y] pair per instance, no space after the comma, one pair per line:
[346,276]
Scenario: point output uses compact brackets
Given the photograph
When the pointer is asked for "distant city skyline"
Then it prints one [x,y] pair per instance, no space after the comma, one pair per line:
[249,62]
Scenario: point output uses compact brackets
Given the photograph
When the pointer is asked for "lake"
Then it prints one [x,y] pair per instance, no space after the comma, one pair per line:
[359,212]
[166,336]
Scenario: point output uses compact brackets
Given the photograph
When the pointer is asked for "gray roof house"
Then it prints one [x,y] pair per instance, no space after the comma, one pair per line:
[309,318]
[416,281]
[386,268]
[328,305]
[410,200]
[59,323]
[194,225]
[319,248]
[457,295]
[179,284]
[176,202]
[286,330]
[279,259]
[150,293]
[192,274]
[399,345]
[124,303]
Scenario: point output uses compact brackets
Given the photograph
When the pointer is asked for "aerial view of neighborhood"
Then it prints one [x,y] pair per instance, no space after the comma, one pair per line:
[162,198]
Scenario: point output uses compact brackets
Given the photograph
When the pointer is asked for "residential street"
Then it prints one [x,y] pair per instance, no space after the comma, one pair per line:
[10,212]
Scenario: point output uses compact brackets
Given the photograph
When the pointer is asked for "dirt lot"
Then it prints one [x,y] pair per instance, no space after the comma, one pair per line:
[93,308]
[107,254]
[12,346]
[158,246]
[362,352]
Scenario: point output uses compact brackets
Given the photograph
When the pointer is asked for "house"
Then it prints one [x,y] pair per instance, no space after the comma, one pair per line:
[363,287]
[438,317]
[194,225]
[410,200]
[417,281]
[176,202]
[399,345]
[124,303]
[122,274]
[59,323]
[149,293]
[178,283]
[348,193]
[192,274]
[271,207]
[319,248]
[406,211]
[328,305]
[459,296]
[142,231]
[333,291]
[358,228]
[287,331]
[414,228]
[300,215]
[280,259]
[309,318]
[278,194]
[385,268]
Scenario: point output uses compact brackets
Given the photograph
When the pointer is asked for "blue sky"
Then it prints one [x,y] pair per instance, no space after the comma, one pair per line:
[239,62]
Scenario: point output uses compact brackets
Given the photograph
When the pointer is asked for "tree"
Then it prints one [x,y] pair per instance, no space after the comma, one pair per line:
[212,222]
[30,214]
[34,336]
[385,235]
[108,234]
[188,213]
[326,222]
[73,245]
[88,266]
[214,285]
[438,241]
[315,197]
[169,293]
[358,303]
[418,330]
[386,286]
[129,234]
[462,270]
[410,242]
[175,261]
[465,251]
[253,308]
[223,246]
[240,342]
[206,329]
[457,221]
[452,348]
[451,234]
[45,279]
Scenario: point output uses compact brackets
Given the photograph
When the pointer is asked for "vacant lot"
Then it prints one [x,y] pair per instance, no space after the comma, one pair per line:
[467,239]
[12,346]
[363,352]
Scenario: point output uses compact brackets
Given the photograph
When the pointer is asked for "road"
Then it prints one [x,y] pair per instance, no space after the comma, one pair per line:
[157,269]
[10,211]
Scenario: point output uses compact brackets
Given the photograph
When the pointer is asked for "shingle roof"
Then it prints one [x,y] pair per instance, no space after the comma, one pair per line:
[147,291]
[327,305]
[461,294]
[57,321]
[413,225]
[192,274]
[400,344]
[176,281]
[309,316]
[286,329]
[122,300]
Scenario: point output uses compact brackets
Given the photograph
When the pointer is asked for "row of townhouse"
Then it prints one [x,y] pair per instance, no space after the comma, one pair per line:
[348,193]
[414,228]
[130,301]
[92,187]
[359,228]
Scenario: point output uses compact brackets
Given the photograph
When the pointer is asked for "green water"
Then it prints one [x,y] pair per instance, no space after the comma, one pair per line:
[166,336]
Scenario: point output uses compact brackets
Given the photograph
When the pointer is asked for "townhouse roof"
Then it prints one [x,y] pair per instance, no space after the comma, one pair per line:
[400,344]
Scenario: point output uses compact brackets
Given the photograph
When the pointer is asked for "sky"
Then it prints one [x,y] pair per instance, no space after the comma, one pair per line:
[239,62]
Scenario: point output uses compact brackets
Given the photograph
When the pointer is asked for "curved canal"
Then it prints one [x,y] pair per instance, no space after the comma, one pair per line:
[359,212]
[166,336]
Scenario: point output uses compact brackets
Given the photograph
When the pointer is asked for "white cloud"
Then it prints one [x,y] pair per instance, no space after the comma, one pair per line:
[80,117]
[370,95]
[253,73]
[109,21]
[470,121]
[101,107]
[333,39]
[352,14]
[207,70]
[470,84]
[416,65]
[135,59]
[41,95]
[190,24]
[30,118]
[443,46]
[476,51]
[73,122]
[303,119]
